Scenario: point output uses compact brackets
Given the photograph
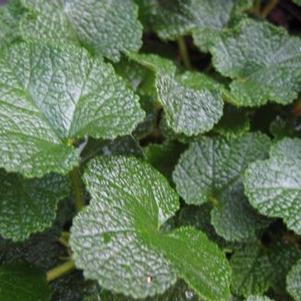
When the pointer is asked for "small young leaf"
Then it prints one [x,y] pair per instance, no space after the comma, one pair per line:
[107,27]
[29,205]
[117,240]
[294,281]
[211,170]
[251,271]
[23,282]
[268,69]
[192,102]
[273,185]
[50,96]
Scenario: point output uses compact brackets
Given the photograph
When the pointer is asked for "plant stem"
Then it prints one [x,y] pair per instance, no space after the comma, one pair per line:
[256,7]
[184,52]
[77,188]
[60,270]
[268,8]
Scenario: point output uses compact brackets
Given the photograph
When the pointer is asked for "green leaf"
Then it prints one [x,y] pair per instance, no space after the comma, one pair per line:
[164,156]
[282,257]
[251,271]
[117,238]
[258,298]
[49,96]
[211,170]
[273,185]
[180,17]
[109,28]
[32,206]
[298,2]
[10,15]
[190,107]
[262,71]
[192,102]
[293,281]
[22,282]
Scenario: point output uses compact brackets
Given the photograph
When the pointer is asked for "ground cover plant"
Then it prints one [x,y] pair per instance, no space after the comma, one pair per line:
[150,150]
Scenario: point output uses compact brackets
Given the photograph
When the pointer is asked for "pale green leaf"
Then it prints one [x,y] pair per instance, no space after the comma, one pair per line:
[49,96]
[29,205]
[22,282]
[263,61]
[117,239]
[109,28]
[211,170]
[293,281]
[273,185]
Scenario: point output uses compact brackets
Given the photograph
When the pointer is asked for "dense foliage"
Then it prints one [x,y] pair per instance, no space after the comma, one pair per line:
[150,149]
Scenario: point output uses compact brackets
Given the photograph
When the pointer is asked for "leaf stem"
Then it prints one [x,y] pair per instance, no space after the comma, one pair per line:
[184,52]
[268,8]
[77,188]
[60,270]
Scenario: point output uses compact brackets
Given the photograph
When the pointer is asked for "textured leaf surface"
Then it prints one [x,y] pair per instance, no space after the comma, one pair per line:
[107,27]
[273,185]
[190,107]
[9,22]
[117,241]
[21,282]
[294,281]
[51,95]
[258,298]
[192,102]
[180,17]
[211,170]
[263,61]
[28,206]
[251,271]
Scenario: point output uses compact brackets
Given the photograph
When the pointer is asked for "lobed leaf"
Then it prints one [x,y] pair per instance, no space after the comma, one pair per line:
[262,60]
[273,185]
[211,170]
[50,96]
[118,242]
[294,281]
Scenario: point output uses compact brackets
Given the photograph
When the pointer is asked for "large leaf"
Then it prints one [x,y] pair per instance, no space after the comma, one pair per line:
[29,205]
[294,281]
[251,271]
[117,239]
[273,185]
[107,27]
[204,19]
[211,170]
[192,102]
[50,96]
[22,282]
[263,61]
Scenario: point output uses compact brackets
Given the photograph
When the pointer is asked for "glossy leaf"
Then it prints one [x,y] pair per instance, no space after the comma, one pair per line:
[50,96]
[109,28]
[117,241]
[262,71]
[273,185]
